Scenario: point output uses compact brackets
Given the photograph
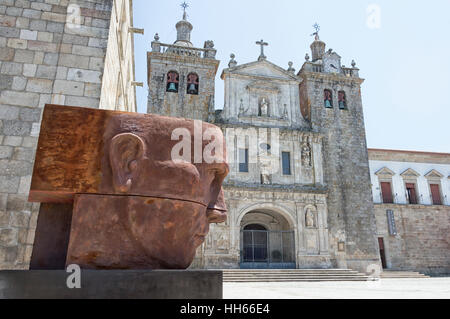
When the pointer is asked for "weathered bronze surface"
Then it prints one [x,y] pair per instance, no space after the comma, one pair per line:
[52,237]
[145,232]
[135,207]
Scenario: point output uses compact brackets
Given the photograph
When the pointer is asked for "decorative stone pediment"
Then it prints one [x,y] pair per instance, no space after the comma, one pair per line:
[433,174]
[385,173]
[410,173]
[264,69]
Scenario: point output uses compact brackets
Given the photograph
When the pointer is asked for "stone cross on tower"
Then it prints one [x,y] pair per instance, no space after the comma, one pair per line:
[262,44]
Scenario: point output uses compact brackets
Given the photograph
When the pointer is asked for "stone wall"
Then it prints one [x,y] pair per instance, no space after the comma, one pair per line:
[51,51]
[288,206]
[346,167]
[118,91]
[181,104]
[422,242]
[306,170]
[247,84]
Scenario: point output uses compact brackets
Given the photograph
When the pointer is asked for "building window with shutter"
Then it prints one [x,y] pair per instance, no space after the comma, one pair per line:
[286,162]
[243,160]
[435,194]
[386,192]
[411,193]
[172,81]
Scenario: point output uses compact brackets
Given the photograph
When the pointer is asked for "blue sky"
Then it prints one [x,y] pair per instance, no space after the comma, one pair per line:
[404,55]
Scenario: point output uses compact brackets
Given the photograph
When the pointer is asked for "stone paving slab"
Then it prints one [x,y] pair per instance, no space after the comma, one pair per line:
[423,288]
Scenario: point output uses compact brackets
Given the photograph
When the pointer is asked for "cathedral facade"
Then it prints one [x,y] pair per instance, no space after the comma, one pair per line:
[303,189]
[299,191]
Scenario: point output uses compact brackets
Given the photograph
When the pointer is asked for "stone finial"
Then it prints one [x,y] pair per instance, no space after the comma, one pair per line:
[330,50]
[210,52]
[307,57]
[232,62]
[209,44]
[156,45]
[290,68]
[353,63]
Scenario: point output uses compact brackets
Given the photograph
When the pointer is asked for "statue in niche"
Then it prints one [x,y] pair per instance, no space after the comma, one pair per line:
[309,218]
[285,113]
[241,108]
[266,162]
[265,178]
[306,153]
[264,107]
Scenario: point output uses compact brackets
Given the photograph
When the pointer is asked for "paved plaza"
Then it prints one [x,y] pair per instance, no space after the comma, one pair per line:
[423,288]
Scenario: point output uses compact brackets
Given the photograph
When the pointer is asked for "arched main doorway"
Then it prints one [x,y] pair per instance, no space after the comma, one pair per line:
[267,240]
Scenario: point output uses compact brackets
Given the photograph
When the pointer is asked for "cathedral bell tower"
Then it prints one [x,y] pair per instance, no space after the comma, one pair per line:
[181,76]
[330,99]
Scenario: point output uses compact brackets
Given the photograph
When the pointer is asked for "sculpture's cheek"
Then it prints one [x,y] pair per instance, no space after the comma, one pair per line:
[171,229]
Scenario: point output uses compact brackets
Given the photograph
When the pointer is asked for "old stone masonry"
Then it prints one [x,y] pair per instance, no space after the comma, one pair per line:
[303,189]
[299,193]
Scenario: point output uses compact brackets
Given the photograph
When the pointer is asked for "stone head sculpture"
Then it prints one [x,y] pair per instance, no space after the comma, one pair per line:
[145,188]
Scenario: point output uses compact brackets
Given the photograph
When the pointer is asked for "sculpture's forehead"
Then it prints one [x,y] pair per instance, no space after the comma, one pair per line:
[73,154]
[154,125]
[161,134]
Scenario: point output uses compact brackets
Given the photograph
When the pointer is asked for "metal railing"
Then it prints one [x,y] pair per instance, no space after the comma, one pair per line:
[206,53]
[313,67]
[267,249]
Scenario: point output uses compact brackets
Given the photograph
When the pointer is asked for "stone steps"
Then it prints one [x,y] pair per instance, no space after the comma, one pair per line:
[291,275]
[402,274]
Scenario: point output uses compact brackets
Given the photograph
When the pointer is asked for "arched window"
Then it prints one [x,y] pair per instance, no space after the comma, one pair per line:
[192,83]
[328,98]
[342,100]
[172,81]
[255,227]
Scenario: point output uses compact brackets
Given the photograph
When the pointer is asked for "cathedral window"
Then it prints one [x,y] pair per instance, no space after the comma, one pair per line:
[328,98]
[192,83]
[243,160]
[173,80]
[342,100]
[286,162]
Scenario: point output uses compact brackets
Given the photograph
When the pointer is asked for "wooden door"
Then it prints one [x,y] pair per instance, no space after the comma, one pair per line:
[382,252]
[411,190]
[386,192]
[435,194]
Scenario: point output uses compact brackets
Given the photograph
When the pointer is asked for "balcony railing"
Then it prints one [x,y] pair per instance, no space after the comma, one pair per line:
[313,67]
[206,53]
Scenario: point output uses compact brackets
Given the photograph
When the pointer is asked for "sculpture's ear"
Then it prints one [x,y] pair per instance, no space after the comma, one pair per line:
[125,151]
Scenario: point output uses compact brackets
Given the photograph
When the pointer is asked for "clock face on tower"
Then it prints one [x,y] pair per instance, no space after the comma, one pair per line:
[332,63]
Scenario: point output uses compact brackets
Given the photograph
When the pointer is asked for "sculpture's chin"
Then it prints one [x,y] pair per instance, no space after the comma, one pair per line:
[216,216]
[137,233]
